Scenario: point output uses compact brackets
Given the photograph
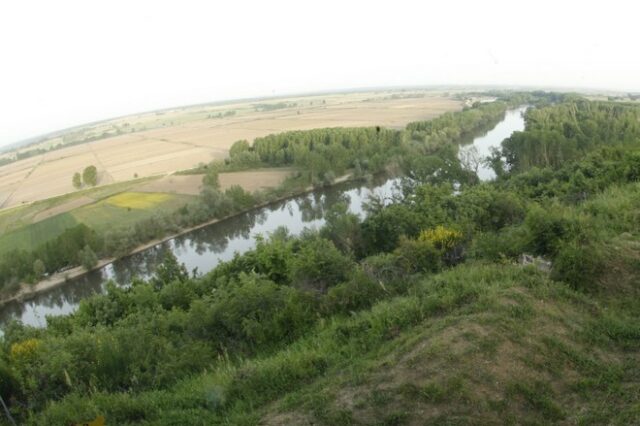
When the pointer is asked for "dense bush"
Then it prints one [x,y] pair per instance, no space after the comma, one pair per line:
[419,255]
[580,265]
[318,265]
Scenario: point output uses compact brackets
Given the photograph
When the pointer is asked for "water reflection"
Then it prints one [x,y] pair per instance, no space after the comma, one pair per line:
[202,249]
[513,121]
[205,248]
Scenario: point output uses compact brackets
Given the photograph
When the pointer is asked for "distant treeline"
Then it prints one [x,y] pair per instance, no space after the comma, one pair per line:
[23,155]
[274,106]
[564,132]
[324,154]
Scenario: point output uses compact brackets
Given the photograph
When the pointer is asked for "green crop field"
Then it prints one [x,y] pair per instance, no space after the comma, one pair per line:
[116,212]
[12,219]
[32,235]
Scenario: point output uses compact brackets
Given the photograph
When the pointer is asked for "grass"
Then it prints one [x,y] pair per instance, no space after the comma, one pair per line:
[14,218]
[138,200]
[114,208]
[473,364]
[127,208]
[481,344]
[33,235]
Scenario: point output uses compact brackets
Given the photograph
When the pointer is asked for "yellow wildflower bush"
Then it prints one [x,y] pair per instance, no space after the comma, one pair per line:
[442,238]
[25,349]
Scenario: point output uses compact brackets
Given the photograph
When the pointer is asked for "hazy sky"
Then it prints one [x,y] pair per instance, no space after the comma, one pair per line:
[68,62]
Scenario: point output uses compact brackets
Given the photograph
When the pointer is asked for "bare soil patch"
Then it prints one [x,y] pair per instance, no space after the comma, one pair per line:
[253,180]
[63,208]
[189,185]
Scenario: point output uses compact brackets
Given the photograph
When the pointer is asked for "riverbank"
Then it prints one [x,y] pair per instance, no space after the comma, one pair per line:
[28,291]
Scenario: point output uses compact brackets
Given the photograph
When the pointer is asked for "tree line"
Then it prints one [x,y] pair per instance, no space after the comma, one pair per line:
[564,132]
[89,177]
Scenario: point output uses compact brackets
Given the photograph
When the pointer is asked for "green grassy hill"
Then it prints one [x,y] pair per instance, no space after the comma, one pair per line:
[479,344]
[509,346]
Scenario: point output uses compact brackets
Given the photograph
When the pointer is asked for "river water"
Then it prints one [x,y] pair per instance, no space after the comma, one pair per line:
[206,247]
[513,121]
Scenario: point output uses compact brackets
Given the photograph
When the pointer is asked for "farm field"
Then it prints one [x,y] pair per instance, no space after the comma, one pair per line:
[174,184]
[254,180]
[16,217]
[158,143]
[126,209]
[33,235]
[117,205]
[122,209]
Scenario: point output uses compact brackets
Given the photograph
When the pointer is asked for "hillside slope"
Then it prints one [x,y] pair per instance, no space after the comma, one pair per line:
[513,347]
[479,344]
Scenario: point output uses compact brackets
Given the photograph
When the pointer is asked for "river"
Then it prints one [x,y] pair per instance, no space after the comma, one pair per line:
[206,247]
[513,121]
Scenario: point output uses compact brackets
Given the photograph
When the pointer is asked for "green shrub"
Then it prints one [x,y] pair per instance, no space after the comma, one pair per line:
[359,292]
[239,198]
[508,243]
[252,311]
[9,386]
[177,294]
[579,265]
[549,227]
[384,267]
[418,255]
[318,265]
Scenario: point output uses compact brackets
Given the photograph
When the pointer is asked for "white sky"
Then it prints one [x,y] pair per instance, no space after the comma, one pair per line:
[64,63]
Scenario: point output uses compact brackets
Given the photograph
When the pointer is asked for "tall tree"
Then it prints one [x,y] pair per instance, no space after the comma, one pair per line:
[77,180]
[90,175]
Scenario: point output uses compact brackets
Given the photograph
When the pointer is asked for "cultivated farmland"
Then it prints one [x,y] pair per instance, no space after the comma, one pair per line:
[159,143]
[254,180]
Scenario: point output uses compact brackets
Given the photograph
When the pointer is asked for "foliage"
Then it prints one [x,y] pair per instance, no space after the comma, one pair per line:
[170,271]
[318,265]
[90,175]
[210,179]
[580,265]
[77,180]
[56,254]
[24,350]
[87,258]
[442,238]
[343,228]
[38,268]
[564,132]
[238,148]
[419,255]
